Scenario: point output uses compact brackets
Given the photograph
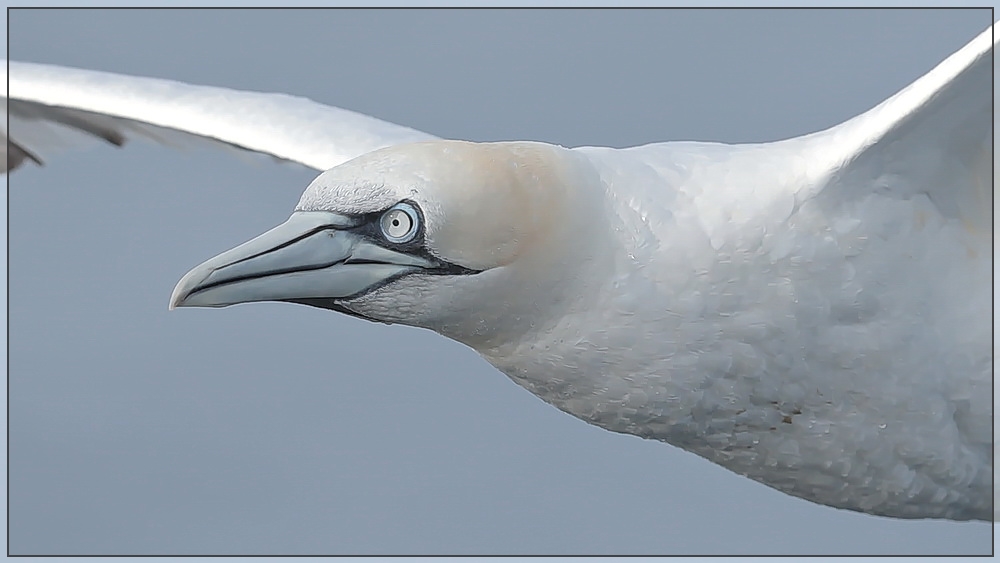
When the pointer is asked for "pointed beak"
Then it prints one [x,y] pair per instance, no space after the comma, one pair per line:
[313,255]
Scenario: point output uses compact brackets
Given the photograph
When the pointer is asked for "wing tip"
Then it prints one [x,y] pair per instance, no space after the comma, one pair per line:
[16,154]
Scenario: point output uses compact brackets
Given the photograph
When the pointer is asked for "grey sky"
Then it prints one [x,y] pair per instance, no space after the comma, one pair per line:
[273,428]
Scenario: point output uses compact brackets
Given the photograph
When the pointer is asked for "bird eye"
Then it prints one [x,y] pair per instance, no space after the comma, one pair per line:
[400,223]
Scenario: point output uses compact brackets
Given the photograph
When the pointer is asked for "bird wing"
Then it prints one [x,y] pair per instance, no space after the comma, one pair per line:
[934,137]
[51,106]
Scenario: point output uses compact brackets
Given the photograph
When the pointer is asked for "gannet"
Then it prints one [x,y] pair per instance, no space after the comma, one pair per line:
[809,313]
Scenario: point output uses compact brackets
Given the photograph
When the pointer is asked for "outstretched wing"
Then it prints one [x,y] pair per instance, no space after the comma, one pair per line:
[50,106]
[933,137]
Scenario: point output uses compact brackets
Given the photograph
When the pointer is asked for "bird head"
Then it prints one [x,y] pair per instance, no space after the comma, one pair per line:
[471,240]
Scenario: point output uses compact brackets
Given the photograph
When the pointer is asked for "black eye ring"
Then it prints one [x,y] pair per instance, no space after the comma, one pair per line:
[400,223]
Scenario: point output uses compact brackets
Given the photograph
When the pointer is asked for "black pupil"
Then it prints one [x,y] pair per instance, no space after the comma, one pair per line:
[395,222]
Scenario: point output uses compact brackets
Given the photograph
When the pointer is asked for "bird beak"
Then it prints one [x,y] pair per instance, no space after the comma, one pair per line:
[313,255]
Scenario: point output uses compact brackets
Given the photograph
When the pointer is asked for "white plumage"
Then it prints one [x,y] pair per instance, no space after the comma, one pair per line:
[810,313]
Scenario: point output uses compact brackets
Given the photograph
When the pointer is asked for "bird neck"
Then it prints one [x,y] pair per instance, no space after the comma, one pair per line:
[650,306]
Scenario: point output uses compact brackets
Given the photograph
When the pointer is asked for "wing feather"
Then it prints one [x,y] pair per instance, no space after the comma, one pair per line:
[47,104]
[932,137]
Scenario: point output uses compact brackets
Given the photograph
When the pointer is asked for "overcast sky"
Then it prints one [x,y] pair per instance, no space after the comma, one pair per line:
[274,428]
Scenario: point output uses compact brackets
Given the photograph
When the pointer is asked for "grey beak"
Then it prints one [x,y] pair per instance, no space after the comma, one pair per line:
[310,256]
